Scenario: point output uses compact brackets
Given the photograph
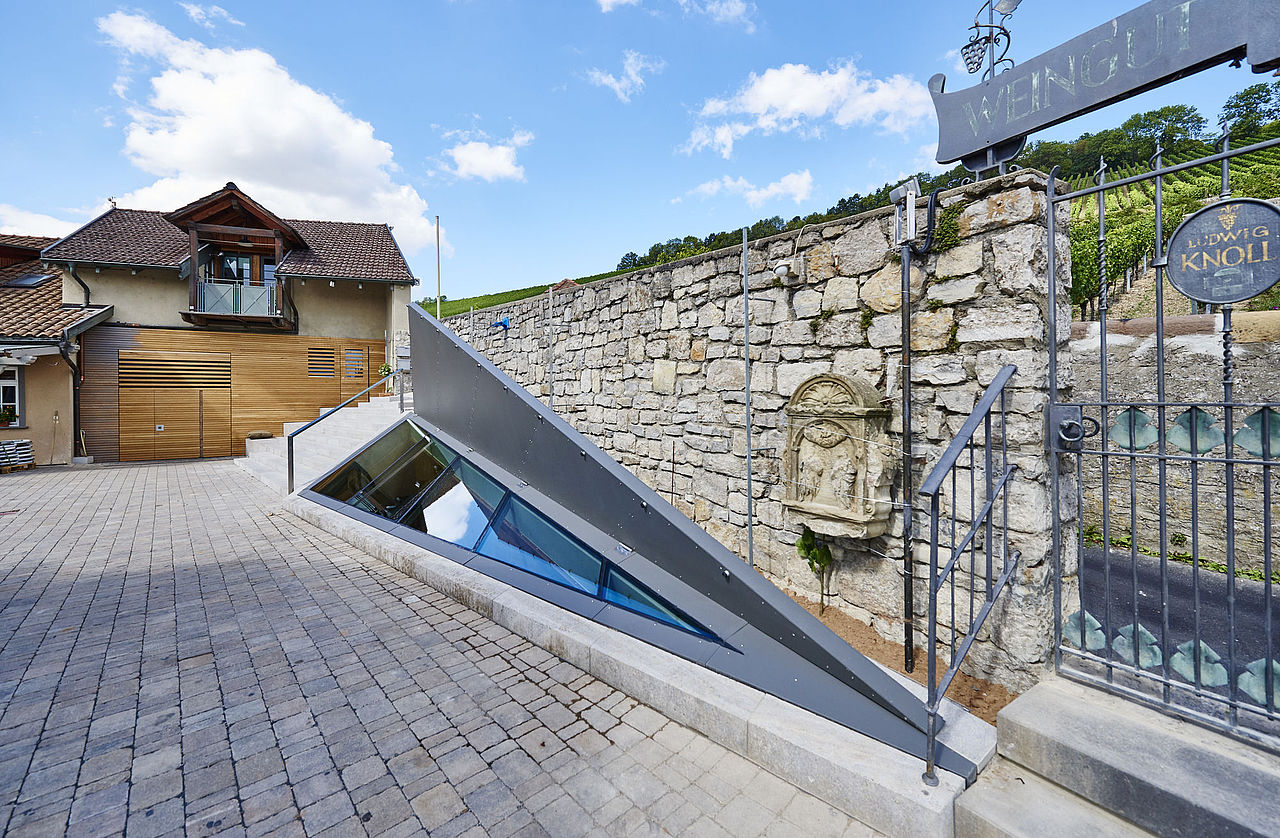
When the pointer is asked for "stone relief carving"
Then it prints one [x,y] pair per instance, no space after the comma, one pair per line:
[838,461]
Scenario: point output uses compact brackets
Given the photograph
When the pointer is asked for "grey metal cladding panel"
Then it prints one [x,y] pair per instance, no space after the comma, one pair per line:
[465,395]
[767,666]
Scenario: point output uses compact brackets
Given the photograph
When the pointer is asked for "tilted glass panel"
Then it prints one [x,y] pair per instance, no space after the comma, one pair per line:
[405,479]
[371,462]
[457,507]
[621,589]
[524,538]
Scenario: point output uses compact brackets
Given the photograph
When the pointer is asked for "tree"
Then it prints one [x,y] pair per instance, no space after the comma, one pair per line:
[1172,127]
[629,262]
[1251,108]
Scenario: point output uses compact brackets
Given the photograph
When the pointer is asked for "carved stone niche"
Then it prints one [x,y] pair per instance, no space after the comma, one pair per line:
[839,461]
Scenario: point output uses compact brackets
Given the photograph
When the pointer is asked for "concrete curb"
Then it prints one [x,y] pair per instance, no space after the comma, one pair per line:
[866,779]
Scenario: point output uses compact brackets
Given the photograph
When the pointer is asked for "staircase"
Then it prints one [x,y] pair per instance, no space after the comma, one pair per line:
[1072,760]
[323,446]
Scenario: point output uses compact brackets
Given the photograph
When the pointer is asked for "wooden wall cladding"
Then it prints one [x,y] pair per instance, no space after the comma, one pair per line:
[273,380]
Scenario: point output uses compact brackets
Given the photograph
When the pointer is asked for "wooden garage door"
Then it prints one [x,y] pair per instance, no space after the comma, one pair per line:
[174,405]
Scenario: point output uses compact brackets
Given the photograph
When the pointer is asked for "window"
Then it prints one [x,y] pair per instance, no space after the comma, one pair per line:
[361,471]
[523,538]
[268,270]
[11,391]
[235,266]
[409,478]
[621,589]
[457,508]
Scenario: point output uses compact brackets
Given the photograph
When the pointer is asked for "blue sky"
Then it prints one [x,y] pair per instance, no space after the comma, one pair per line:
[550,136]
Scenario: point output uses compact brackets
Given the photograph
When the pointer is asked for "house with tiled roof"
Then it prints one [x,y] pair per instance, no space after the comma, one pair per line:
[39,350]
[225,319]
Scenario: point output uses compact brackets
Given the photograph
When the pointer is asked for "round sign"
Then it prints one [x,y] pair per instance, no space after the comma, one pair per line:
[1226,253]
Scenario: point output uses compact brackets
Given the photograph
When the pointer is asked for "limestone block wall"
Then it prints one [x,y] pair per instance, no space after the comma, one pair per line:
[1194,371]
[649,366]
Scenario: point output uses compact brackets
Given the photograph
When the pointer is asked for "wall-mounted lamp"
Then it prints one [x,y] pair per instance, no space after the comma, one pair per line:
[304,282]
[784,270]
[331,283]
[359,286]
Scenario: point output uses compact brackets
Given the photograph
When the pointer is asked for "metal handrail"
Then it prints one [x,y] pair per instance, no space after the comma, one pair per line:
[994,486]
[330,412]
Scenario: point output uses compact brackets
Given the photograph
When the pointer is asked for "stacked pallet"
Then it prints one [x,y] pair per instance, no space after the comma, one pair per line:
[16,454]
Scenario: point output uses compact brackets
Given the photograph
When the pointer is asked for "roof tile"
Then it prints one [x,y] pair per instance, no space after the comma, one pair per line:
[35,312]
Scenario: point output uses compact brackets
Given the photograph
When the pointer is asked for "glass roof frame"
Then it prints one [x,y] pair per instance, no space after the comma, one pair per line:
[614,557]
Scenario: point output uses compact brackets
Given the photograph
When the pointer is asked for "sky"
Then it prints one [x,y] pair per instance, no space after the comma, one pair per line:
[550,136]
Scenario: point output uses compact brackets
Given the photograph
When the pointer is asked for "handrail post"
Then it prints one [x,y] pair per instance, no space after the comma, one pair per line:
[930,775]
[327,414]
[401,382]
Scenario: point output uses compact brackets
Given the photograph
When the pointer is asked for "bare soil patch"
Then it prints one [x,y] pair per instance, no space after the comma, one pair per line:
[982,698]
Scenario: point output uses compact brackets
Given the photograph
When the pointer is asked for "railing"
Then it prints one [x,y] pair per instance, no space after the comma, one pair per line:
[330,412]
[984,542]
[237,298]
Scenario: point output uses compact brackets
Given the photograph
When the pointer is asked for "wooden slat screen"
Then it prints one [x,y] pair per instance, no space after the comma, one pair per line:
[320,362]
[197,370]
[270,381]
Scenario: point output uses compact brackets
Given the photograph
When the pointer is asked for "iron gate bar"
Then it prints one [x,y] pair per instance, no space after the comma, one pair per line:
[1192,698]
[1156,163]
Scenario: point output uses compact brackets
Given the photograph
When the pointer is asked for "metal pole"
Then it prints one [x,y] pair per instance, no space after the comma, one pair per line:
[437,267]
[551,358]
[289,449]
[746,357]
[908,574]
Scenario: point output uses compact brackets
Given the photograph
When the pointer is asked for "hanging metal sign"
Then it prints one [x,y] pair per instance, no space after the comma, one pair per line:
[1156,43]
[1226,253]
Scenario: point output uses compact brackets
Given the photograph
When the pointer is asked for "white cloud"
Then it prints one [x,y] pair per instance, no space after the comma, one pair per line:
[632,80]
[797,186]
[735,12]
[795,98]
[216,115]
[16,221]
[610,5]
[207,16]
[487,161]
[957,61]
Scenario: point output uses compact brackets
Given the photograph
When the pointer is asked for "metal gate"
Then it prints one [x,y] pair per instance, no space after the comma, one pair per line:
[1166,588]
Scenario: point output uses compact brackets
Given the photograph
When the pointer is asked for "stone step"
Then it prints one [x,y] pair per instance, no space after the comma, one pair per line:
[1009,801]
[1167,776]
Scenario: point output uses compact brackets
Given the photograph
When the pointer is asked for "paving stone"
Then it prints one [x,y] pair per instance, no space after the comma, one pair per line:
[223,668]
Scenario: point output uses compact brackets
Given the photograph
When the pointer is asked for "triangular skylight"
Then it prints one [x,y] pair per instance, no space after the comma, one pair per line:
[488,476]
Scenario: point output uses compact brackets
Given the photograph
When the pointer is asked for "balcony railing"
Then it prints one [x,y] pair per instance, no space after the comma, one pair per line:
[236,298]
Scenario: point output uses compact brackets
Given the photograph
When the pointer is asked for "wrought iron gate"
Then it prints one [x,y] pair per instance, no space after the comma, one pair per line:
[1166,587]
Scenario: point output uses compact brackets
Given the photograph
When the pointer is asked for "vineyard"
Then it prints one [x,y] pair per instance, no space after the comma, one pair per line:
[1130,218]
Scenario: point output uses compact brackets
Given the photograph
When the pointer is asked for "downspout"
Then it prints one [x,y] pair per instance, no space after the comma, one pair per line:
[64,349]
[71,267]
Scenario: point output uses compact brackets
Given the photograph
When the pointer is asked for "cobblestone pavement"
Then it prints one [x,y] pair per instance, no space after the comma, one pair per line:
[177,656]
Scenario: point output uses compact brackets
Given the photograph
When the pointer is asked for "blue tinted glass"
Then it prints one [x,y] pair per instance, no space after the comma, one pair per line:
[621,589]
[523,538]
[457,507]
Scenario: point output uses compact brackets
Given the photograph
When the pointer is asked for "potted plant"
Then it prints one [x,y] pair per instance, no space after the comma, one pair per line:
[8,416]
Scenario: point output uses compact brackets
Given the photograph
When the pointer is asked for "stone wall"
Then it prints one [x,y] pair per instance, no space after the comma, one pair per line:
[649,366]
[1194,371]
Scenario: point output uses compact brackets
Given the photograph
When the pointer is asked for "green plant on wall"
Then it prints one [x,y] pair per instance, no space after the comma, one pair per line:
[820,562]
